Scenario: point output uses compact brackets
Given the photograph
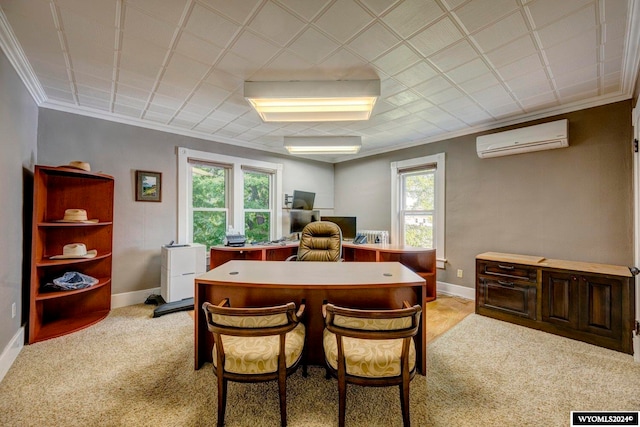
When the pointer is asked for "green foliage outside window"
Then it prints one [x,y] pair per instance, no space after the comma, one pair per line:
[257,217]
[419,205]
[208,192]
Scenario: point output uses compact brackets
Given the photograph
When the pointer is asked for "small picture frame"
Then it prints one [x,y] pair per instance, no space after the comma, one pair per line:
[148,186]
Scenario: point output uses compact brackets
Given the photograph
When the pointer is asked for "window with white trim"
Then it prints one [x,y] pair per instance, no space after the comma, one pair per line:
[218,192]
[417,208]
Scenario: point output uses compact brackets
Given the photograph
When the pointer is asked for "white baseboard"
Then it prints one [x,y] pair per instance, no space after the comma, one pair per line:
[11,351]
[456,290]
[130,298]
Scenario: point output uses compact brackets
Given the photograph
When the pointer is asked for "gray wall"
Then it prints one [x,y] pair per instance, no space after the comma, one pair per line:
[141,228]
[574,203]
[18,125]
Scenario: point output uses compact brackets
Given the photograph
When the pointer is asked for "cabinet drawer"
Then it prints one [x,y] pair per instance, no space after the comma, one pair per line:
[507,297]
[507,270]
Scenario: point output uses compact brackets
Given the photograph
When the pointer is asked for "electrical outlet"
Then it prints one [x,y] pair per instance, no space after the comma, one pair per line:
[459,273]
[13,310]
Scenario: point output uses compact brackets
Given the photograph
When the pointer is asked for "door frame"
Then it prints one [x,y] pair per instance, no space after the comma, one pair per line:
[635,117]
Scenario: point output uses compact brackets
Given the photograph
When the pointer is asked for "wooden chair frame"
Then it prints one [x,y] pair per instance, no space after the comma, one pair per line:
[224,308]
[329,311]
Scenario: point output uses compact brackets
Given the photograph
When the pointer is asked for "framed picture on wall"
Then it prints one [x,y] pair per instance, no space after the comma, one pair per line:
[148,186]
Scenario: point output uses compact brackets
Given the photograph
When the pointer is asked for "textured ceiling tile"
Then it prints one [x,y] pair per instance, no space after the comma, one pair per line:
[432,86]
[168,11]
[127,110]
[446,95]
[468,71]
[578,90]
[530,85]
[374,41]
[479,13]
[568,27]
[579,49]
[237,65]
[513,51]
[89,80]
[134,80]
[520,67]
[276,24]
[508,28]
[81,30]
[494,95]
[183,71]
[139,24]
[397,60]
[454,56]
[93,103]
[197,49]
[305,8]
[416,74]
[343,20]
[239,11]
[378,6]
[343,65]
[286,66]
[102,12]
[588,73]
[411,15]
[436,37]
[543,100]
[209,95]
[97,69]
[210,26]
[478,83]
[403,98]
[544,12]
[313,46]
[254,48]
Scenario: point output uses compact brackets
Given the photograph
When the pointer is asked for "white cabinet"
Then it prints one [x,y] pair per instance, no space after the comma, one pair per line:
[180,266]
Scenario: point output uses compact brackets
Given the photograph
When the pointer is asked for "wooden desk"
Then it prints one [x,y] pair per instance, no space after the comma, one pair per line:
[352,284]
[420,260]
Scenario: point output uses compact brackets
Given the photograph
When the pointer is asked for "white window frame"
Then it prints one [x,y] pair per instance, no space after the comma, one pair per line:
[236,194]
[396,227]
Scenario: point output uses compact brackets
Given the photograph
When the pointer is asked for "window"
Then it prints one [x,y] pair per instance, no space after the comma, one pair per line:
[417,195]
[217,192]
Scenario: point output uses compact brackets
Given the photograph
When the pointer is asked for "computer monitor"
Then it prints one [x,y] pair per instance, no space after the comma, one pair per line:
[303,200]
[346,223]
[299,218]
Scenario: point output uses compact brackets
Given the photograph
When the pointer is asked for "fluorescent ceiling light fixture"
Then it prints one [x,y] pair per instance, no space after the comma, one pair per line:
[313,101]
[322,144]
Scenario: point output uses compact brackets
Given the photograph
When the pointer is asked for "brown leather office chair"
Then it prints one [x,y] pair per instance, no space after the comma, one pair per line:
[371,348]
[319,241]
[255,345]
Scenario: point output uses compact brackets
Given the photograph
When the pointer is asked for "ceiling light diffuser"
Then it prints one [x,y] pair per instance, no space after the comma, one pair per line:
[313,101]
[322,144]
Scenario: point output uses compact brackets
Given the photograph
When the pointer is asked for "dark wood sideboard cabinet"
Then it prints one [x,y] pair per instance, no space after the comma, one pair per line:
[59,312]
[594,303]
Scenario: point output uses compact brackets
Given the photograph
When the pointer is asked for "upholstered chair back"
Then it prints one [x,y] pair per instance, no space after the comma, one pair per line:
[320,241]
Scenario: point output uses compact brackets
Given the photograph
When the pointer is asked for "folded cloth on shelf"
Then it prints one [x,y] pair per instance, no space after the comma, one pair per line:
[71,280]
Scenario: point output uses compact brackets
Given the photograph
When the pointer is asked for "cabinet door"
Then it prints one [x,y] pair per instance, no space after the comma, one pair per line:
[601,306]
[560,298]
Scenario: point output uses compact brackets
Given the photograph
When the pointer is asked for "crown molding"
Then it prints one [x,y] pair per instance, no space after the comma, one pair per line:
[15,54]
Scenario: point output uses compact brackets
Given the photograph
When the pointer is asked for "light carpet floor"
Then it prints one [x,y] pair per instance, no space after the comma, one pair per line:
[134,370]
[485,372]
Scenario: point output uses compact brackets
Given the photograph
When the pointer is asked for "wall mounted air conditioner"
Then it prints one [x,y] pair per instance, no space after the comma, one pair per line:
[545,136]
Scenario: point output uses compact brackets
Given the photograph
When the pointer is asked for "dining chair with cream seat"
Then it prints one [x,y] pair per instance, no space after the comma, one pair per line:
[371,348]
[255,344]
